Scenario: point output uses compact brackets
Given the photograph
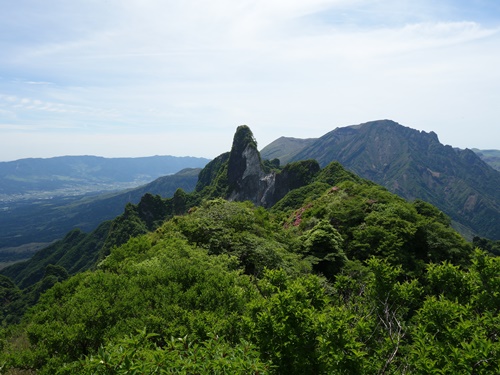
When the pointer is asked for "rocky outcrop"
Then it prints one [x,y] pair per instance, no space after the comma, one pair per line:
[246,177]
[249,180]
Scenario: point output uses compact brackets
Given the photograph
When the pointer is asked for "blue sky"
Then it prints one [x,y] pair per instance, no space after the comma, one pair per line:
[157,77]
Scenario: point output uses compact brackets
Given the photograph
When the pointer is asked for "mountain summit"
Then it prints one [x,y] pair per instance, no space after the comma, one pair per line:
[414,165]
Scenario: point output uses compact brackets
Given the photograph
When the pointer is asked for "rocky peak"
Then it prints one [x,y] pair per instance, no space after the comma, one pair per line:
[243,155]
[240,175]
[246,177]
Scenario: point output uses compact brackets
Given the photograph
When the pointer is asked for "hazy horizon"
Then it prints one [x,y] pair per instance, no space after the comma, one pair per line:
[135,78]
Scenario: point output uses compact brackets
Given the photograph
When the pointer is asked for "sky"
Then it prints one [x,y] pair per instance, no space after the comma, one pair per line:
[127,78]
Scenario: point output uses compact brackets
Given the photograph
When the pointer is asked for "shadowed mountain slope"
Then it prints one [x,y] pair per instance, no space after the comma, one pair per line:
[415,165]
[491,157]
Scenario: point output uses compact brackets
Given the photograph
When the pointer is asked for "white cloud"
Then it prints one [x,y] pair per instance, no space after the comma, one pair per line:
[39,83]
[147,66]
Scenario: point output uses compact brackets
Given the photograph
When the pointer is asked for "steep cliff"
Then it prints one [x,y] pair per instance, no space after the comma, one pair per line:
[240,175]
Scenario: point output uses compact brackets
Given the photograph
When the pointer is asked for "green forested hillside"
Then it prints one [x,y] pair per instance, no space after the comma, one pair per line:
[340,276]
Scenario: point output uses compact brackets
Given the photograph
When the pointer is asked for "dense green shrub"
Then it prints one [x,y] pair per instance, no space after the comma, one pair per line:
[339,277]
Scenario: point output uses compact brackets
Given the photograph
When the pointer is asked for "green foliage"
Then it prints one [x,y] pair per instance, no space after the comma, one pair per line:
[487,245]
[241,230]
[300,332]
[335,173]
[15,302]
[456,330]
[169,287]
[340,277]
[486,274]
[441,243]
[323,246]
[212,180]
[428,210]
[387,231]
[449,339]
[8,290]
[271,165]
[300,196]
[243,138]
[285,325]
[9,298]
[373,221]
[153,209]
[140,354]
[137,220]
[179,202]
[299,173]
[447,280]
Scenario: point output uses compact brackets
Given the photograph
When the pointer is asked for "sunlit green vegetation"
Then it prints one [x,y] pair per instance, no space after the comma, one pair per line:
[339,277]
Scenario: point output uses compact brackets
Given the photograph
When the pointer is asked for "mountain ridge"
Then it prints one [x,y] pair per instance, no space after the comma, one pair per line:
[60,174]
[227,176]
[414,164]
[49,220]
[491,157]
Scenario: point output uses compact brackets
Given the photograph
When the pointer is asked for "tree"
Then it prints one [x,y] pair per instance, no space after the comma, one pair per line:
[179,202]
[322,245]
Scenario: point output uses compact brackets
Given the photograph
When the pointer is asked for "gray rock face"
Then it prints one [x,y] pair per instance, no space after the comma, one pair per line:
[251,182]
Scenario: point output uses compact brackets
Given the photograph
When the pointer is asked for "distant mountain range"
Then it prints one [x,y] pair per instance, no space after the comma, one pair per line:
[83,226]
[42,199]
[492,157]
[77,175]
[42,221]
[412,164]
